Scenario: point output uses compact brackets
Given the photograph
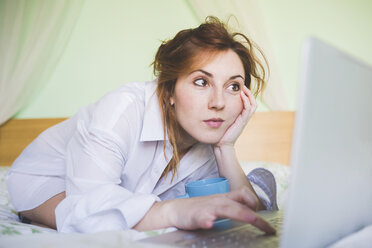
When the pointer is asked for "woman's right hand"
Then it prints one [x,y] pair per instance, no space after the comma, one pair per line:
[201,212]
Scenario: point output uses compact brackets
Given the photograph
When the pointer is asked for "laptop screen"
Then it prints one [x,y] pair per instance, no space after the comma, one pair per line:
[330,194]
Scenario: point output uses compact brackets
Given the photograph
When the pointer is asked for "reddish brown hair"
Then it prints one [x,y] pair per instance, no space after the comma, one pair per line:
[178,56]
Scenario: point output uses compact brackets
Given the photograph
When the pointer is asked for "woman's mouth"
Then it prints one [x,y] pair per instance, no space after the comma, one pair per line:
[214,122]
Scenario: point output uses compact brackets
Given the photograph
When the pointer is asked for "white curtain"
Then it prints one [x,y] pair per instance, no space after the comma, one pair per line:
[33,35]
[249,21]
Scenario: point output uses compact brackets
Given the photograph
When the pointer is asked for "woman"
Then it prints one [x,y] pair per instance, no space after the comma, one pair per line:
[120,162]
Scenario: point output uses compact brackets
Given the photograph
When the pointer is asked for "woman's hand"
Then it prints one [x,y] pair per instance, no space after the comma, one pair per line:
[227,162]
[249,107]
[201,212]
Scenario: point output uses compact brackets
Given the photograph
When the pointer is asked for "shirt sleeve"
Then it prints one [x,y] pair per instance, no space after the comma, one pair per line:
[95,201]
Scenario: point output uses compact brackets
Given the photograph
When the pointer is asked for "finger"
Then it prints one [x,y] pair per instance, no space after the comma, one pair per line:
[251,98]
[205,220]
[246,101]
[250,104]
[247,108]
[194,213]
[207,224]
[244,196]
[260,223]
[236,211]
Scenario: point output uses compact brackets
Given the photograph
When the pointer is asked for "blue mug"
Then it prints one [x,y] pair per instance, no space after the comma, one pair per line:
[209,186]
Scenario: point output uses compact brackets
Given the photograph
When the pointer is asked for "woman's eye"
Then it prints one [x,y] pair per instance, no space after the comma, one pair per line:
[234,87]
[201,82]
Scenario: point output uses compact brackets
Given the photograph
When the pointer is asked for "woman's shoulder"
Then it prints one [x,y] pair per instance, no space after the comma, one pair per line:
[133,92]
[127,102]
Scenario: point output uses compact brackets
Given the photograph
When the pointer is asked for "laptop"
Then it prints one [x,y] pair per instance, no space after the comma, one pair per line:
[330,192]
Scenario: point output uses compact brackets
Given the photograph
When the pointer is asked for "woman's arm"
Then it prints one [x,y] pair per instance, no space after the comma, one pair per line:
[95,201]
[224,150]
[96,156]
[230,168]
[201,212]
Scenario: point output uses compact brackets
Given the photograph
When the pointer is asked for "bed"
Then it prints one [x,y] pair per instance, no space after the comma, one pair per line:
[265,142]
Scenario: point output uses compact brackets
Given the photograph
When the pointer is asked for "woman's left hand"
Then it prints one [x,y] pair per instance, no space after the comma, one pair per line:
[224,150]
[249,107]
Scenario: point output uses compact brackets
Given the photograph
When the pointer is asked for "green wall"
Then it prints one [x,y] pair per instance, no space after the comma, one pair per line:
[347,24]
[114,42]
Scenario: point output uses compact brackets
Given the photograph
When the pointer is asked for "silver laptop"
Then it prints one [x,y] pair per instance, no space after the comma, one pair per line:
[330,192]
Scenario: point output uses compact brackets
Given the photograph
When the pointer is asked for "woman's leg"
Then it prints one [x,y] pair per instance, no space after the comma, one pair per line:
[44,214]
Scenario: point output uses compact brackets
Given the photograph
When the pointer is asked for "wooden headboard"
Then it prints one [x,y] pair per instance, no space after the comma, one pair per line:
[267,137]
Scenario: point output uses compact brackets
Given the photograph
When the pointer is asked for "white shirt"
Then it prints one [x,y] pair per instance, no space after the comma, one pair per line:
[111,156]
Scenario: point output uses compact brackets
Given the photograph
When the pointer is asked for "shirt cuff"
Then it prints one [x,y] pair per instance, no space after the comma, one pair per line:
[264,184]
[133,212]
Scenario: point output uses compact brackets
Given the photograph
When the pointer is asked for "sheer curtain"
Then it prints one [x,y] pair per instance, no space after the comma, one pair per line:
[33,35]
[248,21]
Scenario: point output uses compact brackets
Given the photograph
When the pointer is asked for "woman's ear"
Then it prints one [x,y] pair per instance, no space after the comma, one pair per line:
[171,100]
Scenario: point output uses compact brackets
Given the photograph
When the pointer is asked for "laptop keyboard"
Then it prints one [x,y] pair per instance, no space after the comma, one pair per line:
[244,236]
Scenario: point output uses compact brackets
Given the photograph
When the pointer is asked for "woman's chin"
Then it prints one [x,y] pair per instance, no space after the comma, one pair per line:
[209,140]
[210,137]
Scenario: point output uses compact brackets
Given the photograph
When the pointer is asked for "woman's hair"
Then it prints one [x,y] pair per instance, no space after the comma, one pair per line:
[179,55]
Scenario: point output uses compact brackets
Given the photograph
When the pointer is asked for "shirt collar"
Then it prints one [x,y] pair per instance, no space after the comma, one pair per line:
[198,156]
[152,129]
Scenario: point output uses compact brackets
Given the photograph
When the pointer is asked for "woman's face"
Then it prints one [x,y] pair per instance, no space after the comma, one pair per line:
[207,100]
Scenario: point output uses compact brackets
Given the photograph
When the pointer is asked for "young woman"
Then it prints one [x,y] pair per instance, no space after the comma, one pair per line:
[120,162]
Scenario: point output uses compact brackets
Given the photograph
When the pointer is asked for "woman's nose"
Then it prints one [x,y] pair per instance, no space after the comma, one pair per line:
[216,99]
